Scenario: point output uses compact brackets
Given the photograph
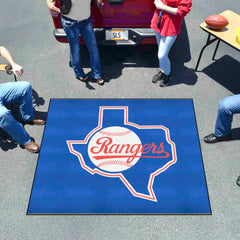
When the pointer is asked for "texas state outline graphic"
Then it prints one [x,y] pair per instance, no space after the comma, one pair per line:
[173,155]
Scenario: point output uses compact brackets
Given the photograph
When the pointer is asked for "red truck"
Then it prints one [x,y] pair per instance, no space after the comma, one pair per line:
[117,22]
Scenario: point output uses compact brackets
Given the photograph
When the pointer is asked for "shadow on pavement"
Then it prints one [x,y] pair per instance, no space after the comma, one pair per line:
[179,55]
[6,142]
[225,71]
[115,58]
[235,134]
[37,101]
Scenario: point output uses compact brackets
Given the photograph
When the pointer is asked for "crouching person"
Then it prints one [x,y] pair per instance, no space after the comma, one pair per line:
[21,92]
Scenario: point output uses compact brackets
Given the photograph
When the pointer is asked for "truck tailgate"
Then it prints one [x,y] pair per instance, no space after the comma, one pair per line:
[123,14]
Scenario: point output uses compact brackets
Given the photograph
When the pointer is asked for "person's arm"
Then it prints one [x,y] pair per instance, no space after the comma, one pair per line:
[183,8]
[52,7]
[161,6]
[99,3]
[16,68]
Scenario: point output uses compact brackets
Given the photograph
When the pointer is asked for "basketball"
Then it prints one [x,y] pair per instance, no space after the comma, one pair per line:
[216,22]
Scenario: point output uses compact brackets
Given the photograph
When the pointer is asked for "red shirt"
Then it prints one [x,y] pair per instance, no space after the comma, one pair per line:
[171,24]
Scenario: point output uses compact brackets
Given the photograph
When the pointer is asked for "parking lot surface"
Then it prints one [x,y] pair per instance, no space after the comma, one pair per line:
[26,30]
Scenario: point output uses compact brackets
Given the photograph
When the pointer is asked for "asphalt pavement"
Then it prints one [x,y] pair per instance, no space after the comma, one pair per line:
[26,30]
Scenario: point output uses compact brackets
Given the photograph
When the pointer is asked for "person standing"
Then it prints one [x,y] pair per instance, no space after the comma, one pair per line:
[22,92]
[75,23]
[166,22]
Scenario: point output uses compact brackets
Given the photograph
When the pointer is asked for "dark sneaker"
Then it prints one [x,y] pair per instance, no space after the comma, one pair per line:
[157,77]
[165,80]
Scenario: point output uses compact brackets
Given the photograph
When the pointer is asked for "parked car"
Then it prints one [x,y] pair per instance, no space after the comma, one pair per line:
[117,22]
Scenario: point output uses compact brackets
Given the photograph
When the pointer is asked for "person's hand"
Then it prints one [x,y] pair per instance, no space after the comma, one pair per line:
[17,69]
[159,4]
[100,3]
[52,7]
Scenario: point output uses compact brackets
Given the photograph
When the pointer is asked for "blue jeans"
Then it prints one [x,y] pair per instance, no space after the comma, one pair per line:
[226,108]
[164,46]
[73,30]
[9,93]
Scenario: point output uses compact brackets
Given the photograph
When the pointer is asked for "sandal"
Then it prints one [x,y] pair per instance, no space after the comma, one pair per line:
[83,79]
[100,81]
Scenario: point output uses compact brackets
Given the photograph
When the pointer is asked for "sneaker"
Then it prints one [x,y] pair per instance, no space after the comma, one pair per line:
[157,77]
[165,80]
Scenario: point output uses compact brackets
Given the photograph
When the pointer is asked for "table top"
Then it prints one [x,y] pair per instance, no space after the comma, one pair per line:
[227,34]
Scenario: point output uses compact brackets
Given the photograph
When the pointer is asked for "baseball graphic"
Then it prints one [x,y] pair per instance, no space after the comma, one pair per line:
[114,149]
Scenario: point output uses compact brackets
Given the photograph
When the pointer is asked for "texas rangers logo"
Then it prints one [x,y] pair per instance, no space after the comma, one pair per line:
[134,153]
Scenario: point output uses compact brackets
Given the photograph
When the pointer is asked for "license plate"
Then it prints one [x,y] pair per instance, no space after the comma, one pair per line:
[117,35]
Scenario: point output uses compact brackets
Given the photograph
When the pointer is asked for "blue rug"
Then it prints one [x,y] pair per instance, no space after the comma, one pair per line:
[120,156]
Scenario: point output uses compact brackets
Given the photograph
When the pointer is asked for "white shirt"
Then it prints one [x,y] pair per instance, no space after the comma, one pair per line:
[80,10]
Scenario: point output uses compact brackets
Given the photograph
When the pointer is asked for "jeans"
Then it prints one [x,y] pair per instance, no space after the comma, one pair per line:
[164,46]
[9,93]
[73,30]
[226,108]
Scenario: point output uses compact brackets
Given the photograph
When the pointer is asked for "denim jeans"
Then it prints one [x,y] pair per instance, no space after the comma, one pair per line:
[73,30]
[9,93]
[226,108]
[164,46]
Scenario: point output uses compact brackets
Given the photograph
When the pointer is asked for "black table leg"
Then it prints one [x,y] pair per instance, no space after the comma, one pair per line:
[213,57]
[209,41]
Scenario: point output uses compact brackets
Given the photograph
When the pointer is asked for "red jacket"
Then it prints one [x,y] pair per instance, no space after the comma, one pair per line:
[171,24]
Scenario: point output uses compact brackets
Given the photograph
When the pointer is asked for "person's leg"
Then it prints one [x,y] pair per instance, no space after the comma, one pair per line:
[13,127]
[157,77]
[158,37]
[88,35]
[226,108]
[72,31]
[18,91]
[165,44]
